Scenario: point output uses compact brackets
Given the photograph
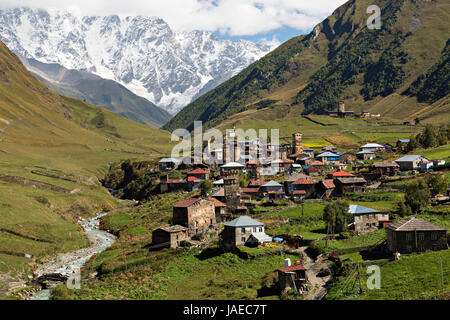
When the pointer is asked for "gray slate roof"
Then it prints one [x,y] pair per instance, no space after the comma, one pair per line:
[357,209]
[414,224]
[262,237]
[244,221]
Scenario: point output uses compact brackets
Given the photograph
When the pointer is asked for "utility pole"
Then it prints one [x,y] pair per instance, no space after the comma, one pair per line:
[442,276]
[359,277]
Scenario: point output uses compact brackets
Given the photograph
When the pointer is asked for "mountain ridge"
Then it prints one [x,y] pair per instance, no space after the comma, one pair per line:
[142,53]
[98,91]
[340,60]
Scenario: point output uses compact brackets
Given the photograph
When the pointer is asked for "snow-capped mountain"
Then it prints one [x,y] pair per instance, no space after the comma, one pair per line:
[142,53]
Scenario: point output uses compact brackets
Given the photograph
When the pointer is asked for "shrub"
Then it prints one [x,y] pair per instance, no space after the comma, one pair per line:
[61,292]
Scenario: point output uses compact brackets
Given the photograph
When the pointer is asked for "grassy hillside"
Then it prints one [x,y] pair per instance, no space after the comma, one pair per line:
[53,150]
[342,60]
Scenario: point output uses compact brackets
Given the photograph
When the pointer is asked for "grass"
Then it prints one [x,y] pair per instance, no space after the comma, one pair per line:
[195,275]
[415,276]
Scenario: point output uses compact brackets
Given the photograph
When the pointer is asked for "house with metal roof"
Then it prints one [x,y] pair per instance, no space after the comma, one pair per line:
[374,147]
[169,164]
[415,235]
[195,214]
[366,155]
[366,219]
[326,157]
[239,231]
[411,162]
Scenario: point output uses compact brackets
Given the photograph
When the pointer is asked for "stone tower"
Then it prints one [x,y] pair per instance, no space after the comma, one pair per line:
[232,189]
[341,107]
[297,146]
[237,152]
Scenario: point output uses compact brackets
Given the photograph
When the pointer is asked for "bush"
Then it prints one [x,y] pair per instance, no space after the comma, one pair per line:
[185,244]
[61,292]
[42,199]
[316,249]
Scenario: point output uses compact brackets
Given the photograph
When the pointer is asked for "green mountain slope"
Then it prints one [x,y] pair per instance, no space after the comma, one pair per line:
[96,90]
[53,151]
[340,60]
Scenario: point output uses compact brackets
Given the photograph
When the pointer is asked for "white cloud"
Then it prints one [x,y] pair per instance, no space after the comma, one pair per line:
[231,17]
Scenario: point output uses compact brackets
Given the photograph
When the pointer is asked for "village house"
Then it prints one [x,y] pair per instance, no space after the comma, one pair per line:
[167,164]
[366,219]
[402,144]
[219,194]
[387,168]
[366,155]
[195,214]
[198,173]
[374,147]
[168,237]
[251,193]
[231,166]
[425,166]
[308,151]
[239,231]
[415,235]
[347,158]
[341,112]
[327,157]
[305,185]
[325,188]
[410,162]
[288,183]
[346,185]
[220,209]
[312,171]
[292,277]
[273,190]
[330,148]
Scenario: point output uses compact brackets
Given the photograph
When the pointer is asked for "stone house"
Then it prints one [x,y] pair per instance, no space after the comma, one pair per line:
[238,232]
[292,277]
[169,237]
[347,158]
[366,219]
[196,214]
[220,209]
[415,235]
[366,155]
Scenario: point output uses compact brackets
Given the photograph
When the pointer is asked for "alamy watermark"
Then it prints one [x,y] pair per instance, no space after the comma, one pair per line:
[374,21]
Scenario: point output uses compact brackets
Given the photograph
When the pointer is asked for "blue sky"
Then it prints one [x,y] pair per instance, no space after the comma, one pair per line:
[281,35]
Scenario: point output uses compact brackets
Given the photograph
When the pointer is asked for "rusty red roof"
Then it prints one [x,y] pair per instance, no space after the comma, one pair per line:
[257,183]
[299,192]
[186,203]
[328,183]
[217,203]
[249,190]
[317,163]
[193,179]
[340,173]
[175,181]
[292,268]
[197,171]
[303,181]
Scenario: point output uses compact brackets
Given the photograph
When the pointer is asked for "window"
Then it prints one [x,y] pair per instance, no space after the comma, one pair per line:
[434,236]
[260,229]
[243,239]
[254,229]
[421,236]
[408,236]
[243,230]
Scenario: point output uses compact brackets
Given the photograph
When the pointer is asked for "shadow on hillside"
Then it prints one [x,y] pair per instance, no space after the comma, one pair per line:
[209,253]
